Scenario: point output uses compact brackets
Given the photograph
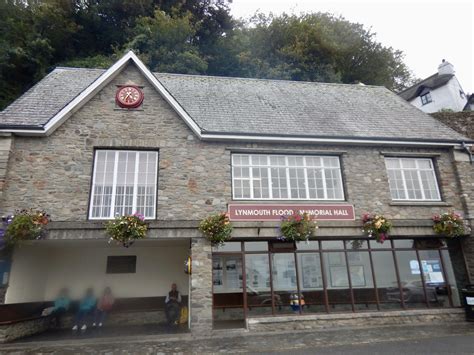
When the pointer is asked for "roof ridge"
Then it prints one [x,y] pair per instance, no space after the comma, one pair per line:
[77,68]
[424,80]
[221,77]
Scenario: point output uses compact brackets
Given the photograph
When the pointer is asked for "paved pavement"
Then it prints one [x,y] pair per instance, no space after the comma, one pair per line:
[453,338]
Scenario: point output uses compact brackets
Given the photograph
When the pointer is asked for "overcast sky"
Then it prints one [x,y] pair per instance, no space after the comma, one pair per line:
[427,31]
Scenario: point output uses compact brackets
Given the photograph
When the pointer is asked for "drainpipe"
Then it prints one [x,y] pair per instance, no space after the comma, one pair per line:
[468,151]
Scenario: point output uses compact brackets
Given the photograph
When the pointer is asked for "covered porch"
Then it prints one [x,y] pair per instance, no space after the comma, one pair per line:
[140,277]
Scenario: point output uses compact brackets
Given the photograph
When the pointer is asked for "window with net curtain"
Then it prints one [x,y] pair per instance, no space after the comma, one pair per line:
[124,182]
[412,179]
[286,177]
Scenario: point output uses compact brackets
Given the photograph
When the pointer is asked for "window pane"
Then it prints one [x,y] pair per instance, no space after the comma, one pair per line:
[362,281]
[308,245]
[259,296]
[228,300]
[124,183]
[412,179]
[285,289]
[339,295]
[229,246]
[453,285]
[410,279]
[435,283]
[333,244]
[258,176]
[256,246]
[311,282]
[386,278]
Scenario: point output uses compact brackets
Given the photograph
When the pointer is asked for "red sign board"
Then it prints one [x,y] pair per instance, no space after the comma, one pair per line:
[274,212]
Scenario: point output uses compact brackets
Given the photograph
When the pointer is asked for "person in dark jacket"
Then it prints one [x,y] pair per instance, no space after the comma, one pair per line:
[173,305]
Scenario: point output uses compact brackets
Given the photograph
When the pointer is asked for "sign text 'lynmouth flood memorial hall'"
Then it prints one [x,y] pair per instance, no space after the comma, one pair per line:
[88,145]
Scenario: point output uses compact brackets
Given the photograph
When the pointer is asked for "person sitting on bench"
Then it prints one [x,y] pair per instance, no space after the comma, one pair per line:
[173,305]
[86,307]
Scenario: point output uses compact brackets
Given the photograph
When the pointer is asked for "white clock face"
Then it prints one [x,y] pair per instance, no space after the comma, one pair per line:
[129,96]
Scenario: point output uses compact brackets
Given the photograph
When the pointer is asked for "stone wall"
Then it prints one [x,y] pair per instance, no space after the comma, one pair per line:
[366,319]
[6,141]
[463,122]
[10,332]
[201,287]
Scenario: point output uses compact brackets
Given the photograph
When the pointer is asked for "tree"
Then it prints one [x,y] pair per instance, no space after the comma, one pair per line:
[192,36]
[165,43]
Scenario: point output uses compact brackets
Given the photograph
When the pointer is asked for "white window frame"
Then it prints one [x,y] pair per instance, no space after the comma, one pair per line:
[420,180]
[287,167]
[114,184]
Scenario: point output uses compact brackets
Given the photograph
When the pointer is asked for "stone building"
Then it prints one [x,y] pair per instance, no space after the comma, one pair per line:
[193,146]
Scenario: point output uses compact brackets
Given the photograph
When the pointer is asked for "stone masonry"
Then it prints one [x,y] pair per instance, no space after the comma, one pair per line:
[201,287]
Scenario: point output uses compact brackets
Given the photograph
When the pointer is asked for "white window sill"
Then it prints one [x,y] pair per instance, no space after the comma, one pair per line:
[420,203]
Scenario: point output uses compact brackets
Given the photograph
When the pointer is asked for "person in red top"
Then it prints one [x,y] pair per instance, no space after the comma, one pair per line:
[103,307]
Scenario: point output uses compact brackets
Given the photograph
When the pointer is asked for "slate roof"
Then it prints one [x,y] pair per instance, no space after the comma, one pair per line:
[255,107]
[432,82]
[47,97]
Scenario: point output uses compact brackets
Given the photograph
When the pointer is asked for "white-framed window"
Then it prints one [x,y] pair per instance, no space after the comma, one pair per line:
[412,179]
[286,177]
[426,98]
[124,182]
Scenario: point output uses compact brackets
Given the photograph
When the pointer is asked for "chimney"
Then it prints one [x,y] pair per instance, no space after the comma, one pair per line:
[445,68]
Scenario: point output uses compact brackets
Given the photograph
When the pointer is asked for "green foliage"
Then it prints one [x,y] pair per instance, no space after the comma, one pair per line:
[195,37]
[126,229]
[165,43]
[216,228]
[97,61]
[449,224]
[26,225]
[297,227]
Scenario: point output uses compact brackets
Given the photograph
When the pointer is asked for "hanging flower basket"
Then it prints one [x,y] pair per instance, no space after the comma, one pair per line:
[297,227]
[125,230]
[376,226]
[25,225]
[216,228]
[449,224]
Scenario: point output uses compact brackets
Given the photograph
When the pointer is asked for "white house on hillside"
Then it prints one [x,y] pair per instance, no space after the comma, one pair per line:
[439,91]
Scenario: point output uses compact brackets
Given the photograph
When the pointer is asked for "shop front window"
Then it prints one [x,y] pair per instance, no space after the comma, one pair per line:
[272,277]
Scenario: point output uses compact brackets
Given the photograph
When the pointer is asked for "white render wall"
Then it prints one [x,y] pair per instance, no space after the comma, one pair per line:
[38,272]
[444,97]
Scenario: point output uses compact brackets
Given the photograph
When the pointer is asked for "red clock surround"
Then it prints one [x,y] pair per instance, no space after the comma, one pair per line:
[129,96]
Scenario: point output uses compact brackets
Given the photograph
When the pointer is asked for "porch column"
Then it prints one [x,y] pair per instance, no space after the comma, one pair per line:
[201,287]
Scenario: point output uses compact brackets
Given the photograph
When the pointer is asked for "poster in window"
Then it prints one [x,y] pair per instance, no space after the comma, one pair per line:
[311,270]
[217,272]
[336,258]
[338,276]
[357,276]
[432,271]
[258,273]
[233,274]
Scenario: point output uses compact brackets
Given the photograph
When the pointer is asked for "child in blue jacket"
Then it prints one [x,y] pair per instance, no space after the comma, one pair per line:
[86,307]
